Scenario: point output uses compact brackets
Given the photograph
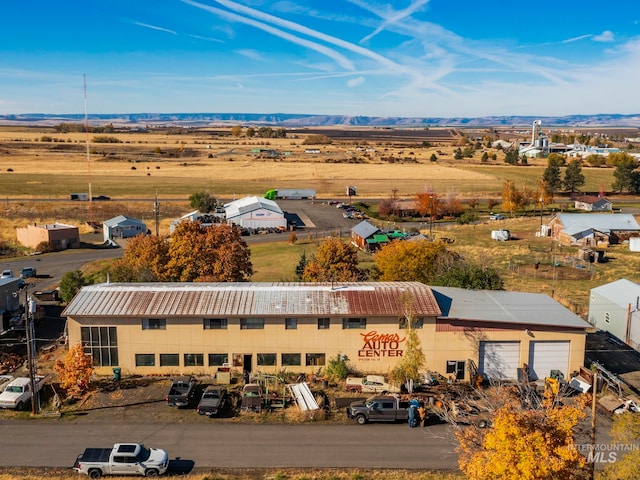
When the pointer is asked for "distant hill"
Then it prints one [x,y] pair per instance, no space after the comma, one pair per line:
[304,120]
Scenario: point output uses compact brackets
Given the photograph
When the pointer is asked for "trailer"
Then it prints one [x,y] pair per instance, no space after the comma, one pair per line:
[84,197]
[290,194]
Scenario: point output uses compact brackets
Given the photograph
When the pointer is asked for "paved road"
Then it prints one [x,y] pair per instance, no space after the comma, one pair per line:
[56,444]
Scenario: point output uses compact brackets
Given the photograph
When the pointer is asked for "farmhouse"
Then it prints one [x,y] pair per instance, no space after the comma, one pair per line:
[364,234]
[590,203]
[593,229]
[255,212]
[615,308]
[59,235]
[197,327]
[122,227]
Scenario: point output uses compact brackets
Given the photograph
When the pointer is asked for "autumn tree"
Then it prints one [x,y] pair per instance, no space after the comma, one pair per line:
[74,370]
[512,198]
[334,261]
[236,131]
[525,443]
[215,253]
[144,260]
[413,359]
[625,431]
[401,261]
[427,203]
[573,177]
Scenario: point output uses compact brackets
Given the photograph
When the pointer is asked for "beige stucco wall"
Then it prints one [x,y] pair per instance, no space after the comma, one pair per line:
[187,336]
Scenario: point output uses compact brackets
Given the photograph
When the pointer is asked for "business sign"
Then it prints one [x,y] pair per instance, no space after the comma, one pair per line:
[380,345]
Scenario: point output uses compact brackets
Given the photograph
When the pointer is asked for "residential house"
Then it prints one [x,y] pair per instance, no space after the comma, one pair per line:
[122,227]
[591,203]
[593,229]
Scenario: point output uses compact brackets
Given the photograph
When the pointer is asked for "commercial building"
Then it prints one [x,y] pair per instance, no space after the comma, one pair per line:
[59,235]
[255,212]
[172,328]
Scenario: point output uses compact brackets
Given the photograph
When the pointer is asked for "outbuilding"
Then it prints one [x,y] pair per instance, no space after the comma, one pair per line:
[122,227]
[615,308]
[59,236]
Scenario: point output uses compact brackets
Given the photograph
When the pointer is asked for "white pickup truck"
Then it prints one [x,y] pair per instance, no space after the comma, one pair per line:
[122,459]
[17,393]
[370,384]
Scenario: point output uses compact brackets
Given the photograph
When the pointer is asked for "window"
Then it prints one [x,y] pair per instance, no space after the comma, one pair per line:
[456,367]
[416,323]
[145,360]
[356,322]
[154,324]
[315,359]
[251,323]
[214,323]
[193,360]
[169,360]
[290,323]
[218,359]
[266,359]
[323,323]
[291,359]
[606,317]
[102,344]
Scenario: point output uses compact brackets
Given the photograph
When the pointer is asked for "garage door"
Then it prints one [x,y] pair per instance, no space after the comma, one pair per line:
[547,356]
[499,360]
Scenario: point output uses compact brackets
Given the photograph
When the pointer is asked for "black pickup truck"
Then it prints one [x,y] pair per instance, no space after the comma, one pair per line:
[182,391]
[384,408]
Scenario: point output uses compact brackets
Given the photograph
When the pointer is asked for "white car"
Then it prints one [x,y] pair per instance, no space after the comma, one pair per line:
[6,274]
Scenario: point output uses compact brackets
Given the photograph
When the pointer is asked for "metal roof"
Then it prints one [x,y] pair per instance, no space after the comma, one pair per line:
[122,219]
[621,292]
[505,307]
[250,299]
[602,222]
[364,229]
[249,204]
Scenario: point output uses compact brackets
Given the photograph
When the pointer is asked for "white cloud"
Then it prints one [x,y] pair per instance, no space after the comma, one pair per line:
[153,27]
[606,36]
[354,82]
[252,54]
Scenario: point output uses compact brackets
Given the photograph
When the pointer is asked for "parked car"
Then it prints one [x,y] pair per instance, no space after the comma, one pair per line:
[28,272]
[100,197]
[496,216]
[6,274]
[370,384]
[182,391]
[252,397]
[122,459]
[214,401]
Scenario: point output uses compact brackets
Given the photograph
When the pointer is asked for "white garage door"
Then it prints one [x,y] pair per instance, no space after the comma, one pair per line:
[499,360]
[547,356]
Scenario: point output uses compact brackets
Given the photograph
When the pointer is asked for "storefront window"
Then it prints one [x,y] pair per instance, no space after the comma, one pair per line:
[193,360]
[214,323]
[291,359]
[145,360]
[323,323]
[315,359]
[349,323]
[291,323]
[266,359]
[218,359]
[169,360]
[154,324]
[251,323]
[102,344]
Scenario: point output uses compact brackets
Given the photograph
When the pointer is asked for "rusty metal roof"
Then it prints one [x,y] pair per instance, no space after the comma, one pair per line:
[144,300]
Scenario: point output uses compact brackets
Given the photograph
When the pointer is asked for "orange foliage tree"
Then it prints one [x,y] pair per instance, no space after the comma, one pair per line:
[334,261]
[144,260]
[525,443]
[208,254]
[74,370]
[401,261]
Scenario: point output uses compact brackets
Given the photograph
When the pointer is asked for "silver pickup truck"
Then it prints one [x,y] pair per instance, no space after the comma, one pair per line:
[122,459]
[384,408]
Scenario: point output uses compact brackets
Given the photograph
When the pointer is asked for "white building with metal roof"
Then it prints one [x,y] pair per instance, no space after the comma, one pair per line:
[255,212]
[593,228]
[615,307]
[195,328]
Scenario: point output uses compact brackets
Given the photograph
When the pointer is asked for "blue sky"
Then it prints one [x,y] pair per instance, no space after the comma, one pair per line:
[424,58]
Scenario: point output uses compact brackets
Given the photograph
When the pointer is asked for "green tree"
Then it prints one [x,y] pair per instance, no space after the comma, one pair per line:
[485,157]
[458,155]
[433,158]
[203,201]
[573,177]
[551,177]
[251,132]
[336,369]
[623,174]
[456,271]
[334,261]
[511,156]
[70,284]
[302,263]
[556,159]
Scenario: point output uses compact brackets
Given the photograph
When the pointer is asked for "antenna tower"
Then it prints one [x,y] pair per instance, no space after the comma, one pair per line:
[86,141]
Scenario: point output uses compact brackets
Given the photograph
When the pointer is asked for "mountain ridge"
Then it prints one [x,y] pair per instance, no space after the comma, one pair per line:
[311,120]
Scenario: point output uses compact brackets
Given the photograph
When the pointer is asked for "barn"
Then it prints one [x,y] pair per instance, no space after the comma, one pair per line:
[255,212]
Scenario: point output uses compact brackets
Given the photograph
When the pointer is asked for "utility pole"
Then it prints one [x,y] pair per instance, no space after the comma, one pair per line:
[156,211]
[594,400]
[30,308]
